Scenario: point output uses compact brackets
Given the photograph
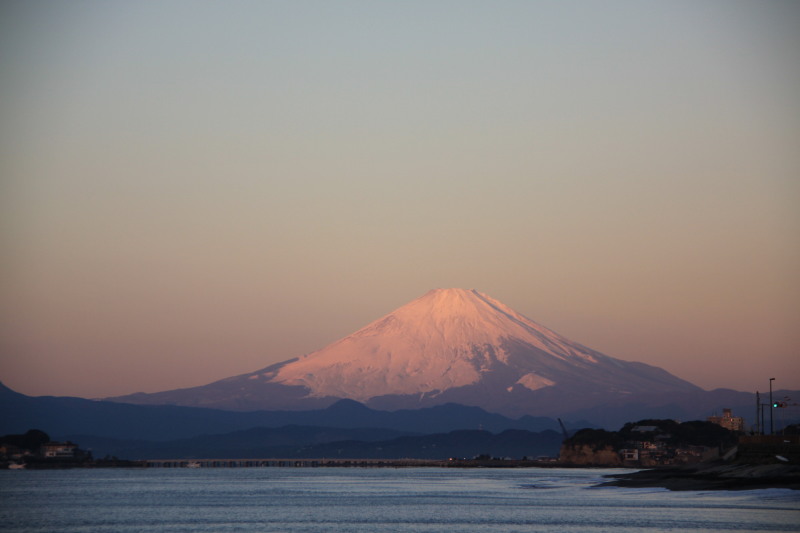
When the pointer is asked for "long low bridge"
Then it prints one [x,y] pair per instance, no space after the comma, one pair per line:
[299,463]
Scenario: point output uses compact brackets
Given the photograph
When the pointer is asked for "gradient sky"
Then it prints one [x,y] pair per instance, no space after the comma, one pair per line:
[193,190]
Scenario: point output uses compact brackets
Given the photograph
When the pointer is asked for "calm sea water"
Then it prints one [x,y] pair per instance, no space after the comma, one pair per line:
[371,500]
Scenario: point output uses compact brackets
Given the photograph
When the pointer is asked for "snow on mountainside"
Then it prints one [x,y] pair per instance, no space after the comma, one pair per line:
[450,345]
[446,339]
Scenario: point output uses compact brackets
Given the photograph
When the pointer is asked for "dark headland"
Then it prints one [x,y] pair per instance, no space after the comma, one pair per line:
[689,456]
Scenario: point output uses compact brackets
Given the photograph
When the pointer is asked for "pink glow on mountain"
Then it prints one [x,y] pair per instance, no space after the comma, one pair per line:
[447,338]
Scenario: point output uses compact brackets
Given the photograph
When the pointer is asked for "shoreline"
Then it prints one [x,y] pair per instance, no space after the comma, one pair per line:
[698,477]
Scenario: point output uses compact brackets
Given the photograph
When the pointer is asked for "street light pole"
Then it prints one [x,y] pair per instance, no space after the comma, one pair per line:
[758,407]
[771,426]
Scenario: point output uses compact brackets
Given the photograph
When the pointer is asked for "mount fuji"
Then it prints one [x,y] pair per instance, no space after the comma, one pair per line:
[448,346]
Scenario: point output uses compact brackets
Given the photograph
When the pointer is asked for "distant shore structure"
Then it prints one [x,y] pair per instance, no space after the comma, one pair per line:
[728,421]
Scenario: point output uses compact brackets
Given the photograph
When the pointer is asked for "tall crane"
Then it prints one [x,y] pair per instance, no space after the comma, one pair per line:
[563,429]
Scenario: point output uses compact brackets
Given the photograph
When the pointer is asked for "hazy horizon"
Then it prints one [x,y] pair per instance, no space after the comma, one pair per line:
[196,190]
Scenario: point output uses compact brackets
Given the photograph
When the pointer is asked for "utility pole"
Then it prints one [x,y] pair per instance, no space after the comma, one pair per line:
[771,408]
[758,407]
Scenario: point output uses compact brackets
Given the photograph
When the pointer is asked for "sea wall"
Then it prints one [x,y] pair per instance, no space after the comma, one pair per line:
[587,455]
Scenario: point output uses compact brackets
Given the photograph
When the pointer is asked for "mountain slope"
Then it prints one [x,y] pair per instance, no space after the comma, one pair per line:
[445,339]
[450,345]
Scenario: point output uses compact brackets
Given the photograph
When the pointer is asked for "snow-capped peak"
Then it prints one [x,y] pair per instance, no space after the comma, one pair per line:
[447,338]
[449,345]
[446,317]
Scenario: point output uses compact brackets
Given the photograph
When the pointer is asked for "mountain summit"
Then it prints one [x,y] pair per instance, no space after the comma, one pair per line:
[450,345]
[448,338]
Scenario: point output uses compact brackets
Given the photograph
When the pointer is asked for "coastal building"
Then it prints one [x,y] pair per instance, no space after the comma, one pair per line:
[59,449]
[728,421]
[9,451]
[629,455]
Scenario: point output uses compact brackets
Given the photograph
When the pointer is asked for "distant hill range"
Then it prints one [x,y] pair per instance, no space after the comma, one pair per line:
[464,347]
[346,429]
[63,416]
[304,442]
